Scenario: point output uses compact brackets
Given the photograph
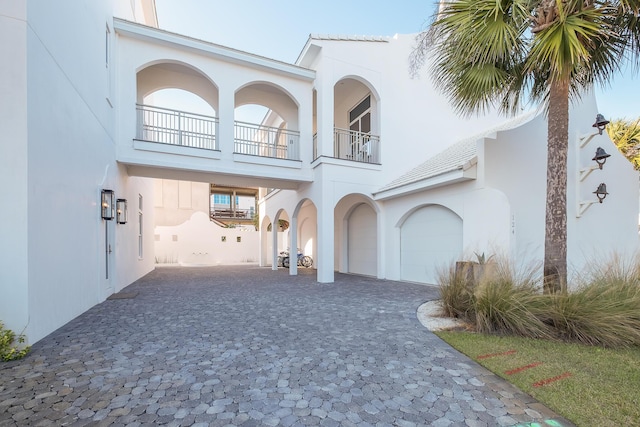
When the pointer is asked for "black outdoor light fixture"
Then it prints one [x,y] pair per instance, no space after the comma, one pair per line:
[107,205]
[601,192]
[600,123]
[601,157]
[121,211]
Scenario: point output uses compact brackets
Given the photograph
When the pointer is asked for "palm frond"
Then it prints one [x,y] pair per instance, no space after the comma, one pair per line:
[477,46]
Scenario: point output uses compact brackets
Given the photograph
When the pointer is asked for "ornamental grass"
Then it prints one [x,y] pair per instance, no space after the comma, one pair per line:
[602,309]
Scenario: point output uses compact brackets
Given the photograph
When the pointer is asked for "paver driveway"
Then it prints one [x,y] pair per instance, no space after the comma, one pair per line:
[249,346]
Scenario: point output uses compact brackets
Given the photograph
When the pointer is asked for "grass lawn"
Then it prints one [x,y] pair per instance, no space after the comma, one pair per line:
[593,386]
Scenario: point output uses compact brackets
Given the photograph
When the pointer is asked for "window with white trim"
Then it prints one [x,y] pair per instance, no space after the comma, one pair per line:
[360,116]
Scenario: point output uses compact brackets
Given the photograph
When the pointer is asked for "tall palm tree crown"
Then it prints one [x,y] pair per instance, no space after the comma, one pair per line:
[485,54]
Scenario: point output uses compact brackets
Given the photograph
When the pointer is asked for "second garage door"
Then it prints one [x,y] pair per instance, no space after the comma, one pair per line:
[430,239]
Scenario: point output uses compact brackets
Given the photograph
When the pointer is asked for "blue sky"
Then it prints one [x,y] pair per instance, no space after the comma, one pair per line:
[278,29]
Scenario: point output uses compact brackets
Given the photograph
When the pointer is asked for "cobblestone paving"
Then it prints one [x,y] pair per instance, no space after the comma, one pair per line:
[248,346]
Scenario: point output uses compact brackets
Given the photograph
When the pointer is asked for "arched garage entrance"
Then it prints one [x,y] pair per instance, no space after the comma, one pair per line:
[430,239]
[362,239]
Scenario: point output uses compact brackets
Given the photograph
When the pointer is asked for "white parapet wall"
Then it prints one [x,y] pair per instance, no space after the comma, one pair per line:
[199,241]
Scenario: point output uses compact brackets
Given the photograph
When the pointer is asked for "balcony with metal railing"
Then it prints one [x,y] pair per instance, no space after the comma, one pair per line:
[174,127]
[266,141]
[356,146]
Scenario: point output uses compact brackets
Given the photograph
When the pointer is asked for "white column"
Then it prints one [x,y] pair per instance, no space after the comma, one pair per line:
[380,243]
[326,243]
[293,244]
[274,245]
[325,119]
[305,126]
[14,260]
[226,116]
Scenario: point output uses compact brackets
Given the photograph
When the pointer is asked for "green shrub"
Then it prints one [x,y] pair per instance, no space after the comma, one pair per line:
[9,345]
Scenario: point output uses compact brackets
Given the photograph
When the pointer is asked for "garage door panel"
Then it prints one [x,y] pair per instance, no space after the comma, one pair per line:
[431,238]
[362,241]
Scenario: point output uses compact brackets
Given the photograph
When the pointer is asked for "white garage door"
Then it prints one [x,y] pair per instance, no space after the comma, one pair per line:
[362,241]
[430,239]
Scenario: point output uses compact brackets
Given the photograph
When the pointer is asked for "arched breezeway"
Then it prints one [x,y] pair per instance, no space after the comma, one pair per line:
[304,235]
[430,239]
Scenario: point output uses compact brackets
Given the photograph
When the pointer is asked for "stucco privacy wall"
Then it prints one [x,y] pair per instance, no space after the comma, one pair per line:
[176,201]
[13,166]
[610,227]
[62,155]
[515,163]
[199,241]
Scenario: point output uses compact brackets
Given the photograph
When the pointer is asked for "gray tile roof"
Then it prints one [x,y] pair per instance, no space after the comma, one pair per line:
[454,157]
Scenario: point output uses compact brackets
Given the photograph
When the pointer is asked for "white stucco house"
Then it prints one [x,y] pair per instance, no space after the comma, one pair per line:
[374,172]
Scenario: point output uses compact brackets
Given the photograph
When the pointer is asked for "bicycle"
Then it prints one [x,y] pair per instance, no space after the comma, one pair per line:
[303,260]
[281,257]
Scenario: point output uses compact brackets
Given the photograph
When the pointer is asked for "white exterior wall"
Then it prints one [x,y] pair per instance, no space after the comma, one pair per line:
[199,241]
[62,155]
[414,120]
[610,227]
[515,163]
[14,179]
[177,201]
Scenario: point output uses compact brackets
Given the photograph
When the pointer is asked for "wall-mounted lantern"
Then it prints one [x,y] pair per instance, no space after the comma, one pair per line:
[107,205]
[121,211]
[583,172]
[600,123]
[601,192]
[601,157]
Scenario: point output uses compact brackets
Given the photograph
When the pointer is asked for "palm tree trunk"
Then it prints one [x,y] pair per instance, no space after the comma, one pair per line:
[555,242]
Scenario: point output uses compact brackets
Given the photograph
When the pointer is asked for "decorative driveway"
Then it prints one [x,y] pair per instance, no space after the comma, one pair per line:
[244,345]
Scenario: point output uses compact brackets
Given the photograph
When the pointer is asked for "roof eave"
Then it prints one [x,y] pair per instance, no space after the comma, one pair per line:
[468,172]
[158,36]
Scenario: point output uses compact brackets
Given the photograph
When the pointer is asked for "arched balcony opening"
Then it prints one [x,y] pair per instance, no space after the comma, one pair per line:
[266,122]
[356,134]
[176,105]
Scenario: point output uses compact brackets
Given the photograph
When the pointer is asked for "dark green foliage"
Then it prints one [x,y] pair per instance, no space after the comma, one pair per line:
[9,345]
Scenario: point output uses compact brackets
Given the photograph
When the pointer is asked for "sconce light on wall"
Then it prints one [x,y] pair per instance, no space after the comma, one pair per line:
[601,192]
[600,123]
[121,211]
[107,205]
[601,157]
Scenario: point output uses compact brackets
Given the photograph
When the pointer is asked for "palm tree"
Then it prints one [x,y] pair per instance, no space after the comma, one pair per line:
[626,135]
[505,53]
